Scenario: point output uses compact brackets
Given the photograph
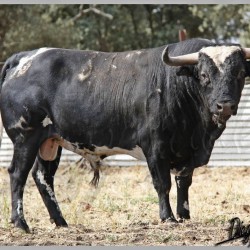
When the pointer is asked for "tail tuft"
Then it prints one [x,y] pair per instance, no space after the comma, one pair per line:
[96,178]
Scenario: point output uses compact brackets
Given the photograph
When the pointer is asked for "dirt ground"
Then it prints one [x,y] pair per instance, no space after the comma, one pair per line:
[123,210]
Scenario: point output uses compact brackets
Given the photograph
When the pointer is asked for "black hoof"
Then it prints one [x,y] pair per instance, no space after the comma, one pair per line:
[170,220]
[60,222]
[184,216]
[21,224]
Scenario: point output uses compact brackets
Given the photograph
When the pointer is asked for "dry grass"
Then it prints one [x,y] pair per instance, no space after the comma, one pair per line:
[123,210]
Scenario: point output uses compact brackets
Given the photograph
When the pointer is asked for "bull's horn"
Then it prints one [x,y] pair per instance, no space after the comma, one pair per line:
[247,52]
[179,60]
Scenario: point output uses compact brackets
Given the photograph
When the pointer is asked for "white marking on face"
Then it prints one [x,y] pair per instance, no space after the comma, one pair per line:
[25,63]
[19,124]
[219,53]
[20,209]
[86,72]
[46,121]
[40,177]
[185,205]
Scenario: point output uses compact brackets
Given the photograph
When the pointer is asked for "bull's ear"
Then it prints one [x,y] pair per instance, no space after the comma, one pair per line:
[185,71]
[247,68]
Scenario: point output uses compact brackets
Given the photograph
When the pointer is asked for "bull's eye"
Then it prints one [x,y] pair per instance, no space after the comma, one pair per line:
[204,78]
[242,74]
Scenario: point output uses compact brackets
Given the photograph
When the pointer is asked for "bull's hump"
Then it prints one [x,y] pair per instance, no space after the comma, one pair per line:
[219,53]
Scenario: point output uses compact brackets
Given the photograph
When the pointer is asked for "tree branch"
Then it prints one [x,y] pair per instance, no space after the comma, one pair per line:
[91,9]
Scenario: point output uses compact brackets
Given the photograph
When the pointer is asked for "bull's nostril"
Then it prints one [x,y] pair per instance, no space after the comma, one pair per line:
[219,107]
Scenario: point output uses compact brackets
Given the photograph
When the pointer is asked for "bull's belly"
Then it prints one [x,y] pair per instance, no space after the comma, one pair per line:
[48,150]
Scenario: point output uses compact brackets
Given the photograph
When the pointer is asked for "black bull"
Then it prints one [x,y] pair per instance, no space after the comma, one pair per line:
[167,110]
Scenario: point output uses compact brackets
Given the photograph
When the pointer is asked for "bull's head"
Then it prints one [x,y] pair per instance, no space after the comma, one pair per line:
[221,72]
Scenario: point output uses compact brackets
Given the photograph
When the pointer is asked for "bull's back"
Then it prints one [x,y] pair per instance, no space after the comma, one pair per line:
[88,95]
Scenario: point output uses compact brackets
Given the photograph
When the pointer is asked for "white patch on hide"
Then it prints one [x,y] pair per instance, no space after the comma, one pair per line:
[185,205]
[176,172]
[19,123]
[178,183]
[86,72]
[46,121]
[25,63]
[219,53]
[136,152]
[20,209]
[40,177]
[129,55]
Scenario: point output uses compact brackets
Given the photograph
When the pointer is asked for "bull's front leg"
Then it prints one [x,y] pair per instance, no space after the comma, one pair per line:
[183,183]
[161,177]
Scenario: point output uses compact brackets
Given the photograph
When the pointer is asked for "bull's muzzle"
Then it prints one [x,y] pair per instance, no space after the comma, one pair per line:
[224,111]
[227,108]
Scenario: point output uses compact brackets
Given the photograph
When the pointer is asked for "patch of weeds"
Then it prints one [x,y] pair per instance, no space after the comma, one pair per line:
[223,219]
[135,201]
[170,238]
[167,238]
[151,199]
[112,237]
[5,212]
[216,220]
[108,204]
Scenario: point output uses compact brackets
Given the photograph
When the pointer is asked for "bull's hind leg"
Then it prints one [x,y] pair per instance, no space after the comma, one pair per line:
[183,183]
[25,150]
[43,173]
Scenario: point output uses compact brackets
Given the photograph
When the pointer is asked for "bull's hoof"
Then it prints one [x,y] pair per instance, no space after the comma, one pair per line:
[183,215]
[21,224]
[181,220]
[169,220]
[60,222]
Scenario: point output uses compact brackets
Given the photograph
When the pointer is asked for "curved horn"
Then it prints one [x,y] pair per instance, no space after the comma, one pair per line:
[179,60]
[247,52]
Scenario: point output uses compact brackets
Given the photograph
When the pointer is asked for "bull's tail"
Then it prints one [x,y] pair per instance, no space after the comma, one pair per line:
[1,130]
[10,63]
[4,70]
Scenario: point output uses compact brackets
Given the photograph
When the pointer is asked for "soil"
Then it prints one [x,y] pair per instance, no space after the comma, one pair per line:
[123,209]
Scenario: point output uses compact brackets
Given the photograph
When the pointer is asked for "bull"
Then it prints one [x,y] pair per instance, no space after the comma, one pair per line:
[164,105]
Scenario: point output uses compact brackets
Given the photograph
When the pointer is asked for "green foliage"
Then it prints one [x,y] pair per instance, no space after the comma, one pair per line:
[117,27]
[223,22]
[33,29]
